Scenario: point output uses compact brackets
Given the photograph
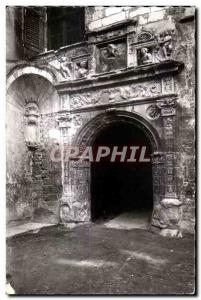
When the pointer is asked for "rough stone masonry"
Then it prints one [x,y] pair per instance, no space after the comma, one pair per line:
[136,66]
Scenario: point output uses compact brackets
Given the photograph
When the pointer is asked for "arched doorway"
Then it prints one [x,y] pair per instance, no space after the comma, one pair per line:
[122,186]
[78,188]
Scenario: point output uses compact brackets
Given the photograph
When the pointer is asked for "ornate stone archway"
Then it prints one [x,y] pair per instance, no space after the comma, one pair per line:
[75,202]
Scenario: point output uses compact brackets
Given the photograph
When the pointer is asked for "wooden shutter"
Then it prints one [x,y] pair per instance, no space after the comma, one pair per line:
[34,30]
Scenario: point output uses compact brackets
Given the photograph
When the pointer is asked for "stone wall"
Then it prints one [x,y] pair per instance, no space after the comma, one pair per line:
[185,131]
[14,43]
[181,20]
[100,17]
[33,181]
[120,67]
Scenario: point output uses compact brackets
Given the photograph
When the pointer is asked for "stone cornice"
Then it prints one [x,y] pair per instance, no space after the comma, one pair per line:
[120,76]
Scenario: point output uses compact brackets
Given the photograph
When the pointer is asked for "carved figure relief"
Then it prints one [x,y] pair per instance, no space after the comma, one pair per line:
[31,129]
[81,69]
[111,57]
[64,67]
[159,47]
[145,56]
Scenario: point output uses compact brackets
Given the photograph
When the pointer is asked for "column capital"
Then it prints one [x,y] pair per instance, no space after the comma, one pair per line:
[167,107]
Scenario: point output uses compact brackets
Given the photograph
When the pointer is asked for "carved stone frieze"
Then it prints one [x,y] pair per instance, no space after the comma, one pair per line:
[118,94]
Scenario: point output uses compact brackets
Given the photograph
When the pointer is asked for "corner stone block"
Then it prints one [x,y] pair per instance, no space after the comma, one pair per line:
[95,24]
[114,18]
[156,16]
[112,10]
[139,11]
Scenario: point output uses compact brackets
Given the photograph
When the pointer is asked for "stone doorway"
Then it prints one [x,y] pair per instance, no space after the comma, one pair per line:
[81,200]
[122,187]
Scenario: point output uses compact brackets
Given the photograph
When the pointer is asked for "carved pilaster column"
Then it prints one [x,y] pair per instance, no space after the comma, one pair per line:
[168,113]
[157,160]
[169,205]
[64,126]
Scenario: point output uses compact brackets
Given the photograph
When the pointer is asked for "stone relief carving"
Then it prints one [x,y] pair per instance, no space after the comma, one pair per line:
[64,119]
[31,129]
[164,41]
[81,69]
[111,57]
[168,124]
[144,36]
[158,48]
[157,158]
[167,107]
[64,67]
[78,120]
[168,85]
[118,94]
[153,112]
[145,56]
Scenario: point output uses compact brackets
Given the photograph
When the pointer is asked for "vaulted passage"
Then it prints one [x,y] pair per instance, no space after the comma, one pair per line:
[118,187]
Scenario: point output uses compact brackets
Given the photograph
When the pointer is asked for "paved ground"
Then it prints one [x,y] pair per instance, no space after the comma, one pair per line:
[93,259]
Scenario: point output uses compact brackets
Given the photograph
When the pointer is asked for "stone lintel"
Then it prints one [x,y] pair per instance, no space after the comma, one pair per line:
[135,101]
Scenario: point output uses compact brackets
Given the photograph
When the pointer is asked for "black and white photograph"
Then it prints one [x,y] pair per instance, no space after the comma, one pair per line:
[100,150]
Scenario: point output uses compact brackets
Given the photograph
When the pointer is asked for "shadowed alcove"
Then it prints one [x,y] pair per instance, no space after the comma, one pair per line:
[121,187]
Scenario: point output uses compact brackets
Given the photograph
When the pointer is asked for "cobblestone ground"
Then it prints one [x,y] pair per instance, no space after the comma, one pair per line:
[92,259]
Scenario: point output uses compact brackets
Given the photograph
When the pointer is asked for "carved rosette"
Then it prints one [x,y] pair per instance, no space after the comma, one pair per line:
[153,112]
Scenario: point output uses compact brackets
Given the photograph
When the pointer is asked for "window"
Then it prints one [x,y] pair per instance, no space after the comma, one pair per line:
[65,26]
[34,33]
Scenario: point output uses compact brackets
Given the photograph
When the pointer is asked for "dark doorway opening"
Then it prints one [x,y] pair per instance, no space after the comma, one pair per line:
[120,187]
